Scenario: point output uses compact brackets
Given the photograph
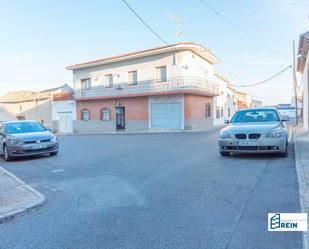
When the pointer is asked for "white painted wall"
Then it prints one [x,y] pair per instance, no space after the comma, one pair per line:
[224,101]
[63,106]
[229,104]
[179,64]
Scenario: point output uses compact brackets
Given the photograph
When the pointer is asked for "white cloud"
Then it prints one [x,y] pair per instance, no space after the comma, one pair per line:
[27,56]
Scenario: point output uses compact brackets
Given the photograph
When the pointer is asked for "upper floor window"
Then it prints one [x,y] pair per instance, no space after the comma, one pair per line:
[85,115]
[208,110]
[109,80]
[86,84]
[133,77]
[105,114]
[161,74]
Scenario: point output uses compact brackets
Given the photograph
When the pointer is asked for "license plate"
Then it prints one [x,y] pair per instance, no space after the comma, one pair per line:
[247,143]
[39,146]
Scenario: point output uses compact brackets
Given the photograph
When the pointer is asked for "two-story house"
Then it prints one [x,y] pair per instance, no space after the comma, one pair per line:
[242,100]
[223,105]
[168,87]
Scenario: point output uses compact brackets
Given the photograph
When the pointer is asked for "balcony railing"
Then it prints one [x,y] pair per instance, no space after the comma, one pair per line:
[152,87]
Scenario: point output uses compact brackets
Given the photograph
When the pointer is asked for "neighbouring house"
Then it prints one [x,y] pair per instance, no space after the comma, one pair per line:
[242,100]
[256,103]
[287,110]
[55,108]
[223,104]
[169,87]
[303,69]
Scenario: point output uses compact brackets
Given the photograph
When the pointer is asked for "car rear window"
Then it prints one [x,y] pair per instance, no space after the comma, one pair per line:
[255,116]
[24,127]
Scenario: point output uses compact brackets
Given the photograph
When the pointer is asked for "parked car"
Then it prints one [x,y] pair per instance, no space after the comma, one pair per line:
[256,130]
[26,138]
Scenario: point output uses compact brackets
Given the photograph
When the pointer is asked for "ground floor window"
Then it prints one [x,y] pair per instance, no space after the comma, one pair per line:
[105,114]
[208,110]
[218,110]
[85,115]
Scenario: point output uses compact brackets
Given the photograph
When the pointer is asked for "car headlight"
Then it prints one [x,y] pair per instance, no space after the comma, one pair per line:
[14,141]
[274,134]
[224,135]
[54,139]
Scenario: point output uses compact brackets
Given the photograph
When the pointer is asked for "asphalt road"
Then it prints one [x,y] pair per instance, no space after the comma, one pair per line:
[153,191]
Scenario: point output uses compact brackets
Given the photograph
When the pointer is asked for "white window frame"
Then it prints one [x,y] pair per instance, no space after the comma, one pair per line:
[131,78]
[83,115]
[85,84]
[109,80]
[104,112]
[159,76]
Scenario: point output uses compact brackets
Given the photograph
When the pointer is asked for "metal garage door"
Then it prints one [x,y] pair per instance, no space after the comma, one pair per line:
[166,115]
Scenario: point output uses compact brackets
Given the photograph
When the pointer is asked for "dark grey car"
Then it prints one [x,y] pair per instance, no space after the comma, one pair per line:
[26,138]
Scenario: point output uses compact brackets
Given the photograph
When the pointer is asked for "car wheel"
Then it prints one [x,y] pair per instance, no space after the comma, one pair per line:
[285,153]
[54,153]
[6,155]
[224,153]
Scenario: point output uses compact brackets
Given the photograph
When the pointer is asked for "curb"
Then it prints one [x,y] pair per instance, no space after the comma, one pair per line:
[302,189]
[141,132]
[40,202]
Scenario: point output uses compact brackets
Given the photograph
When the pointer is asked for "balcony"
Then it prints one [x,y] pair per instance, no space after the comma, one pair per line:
[175,85]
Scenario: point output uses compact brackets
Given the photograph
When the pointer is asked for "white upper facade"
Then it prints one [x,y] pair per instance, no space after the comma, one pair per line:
[181,67]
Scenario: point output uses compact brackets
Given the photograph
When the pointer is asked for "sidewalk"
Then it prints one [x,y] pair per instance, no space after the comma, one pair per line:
[16,197]
[301,145]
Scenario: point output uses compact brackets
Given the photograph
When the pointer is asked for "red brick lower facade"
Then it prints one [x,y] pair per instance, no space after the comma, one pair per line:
[139,112]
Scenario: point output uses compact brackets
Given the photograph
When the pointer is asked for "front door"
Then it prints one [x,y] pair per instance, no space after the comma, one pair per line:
[120,118]
[65,122]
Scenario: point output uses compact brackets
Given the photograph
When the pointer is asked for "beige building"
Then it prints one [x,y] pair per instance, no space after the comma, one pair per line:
[54,108]
[242,100]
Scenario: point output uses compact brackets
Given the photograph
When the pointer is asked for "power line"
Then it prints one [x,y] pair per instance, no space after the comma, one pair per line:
[264,81]
[218,13]
[147,26]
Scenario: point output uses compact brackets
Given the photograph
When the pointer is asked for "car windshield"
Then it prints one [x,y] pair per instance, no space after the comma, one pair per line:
[261,115]
[24,127]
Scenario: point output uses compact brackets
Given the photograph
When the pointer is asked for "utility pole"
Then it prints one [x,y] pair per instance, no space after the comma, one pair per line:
[295,86]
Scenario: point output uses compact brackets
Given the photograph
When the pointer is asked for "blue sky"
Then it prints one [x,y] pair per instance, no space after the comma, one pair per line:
[40,38]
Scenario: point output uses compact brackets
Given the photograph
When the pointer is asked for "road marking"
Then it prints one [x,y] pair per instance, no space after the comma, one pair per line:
[58,170]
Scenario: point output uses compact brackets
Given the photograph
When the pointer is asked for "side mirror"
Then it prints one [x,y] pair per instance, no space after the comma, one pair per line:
[285,118]
[226,121]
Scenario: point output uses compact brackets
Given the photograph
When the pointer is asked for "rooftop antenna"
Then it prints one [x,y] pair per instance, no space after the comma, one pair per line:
[178,27]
